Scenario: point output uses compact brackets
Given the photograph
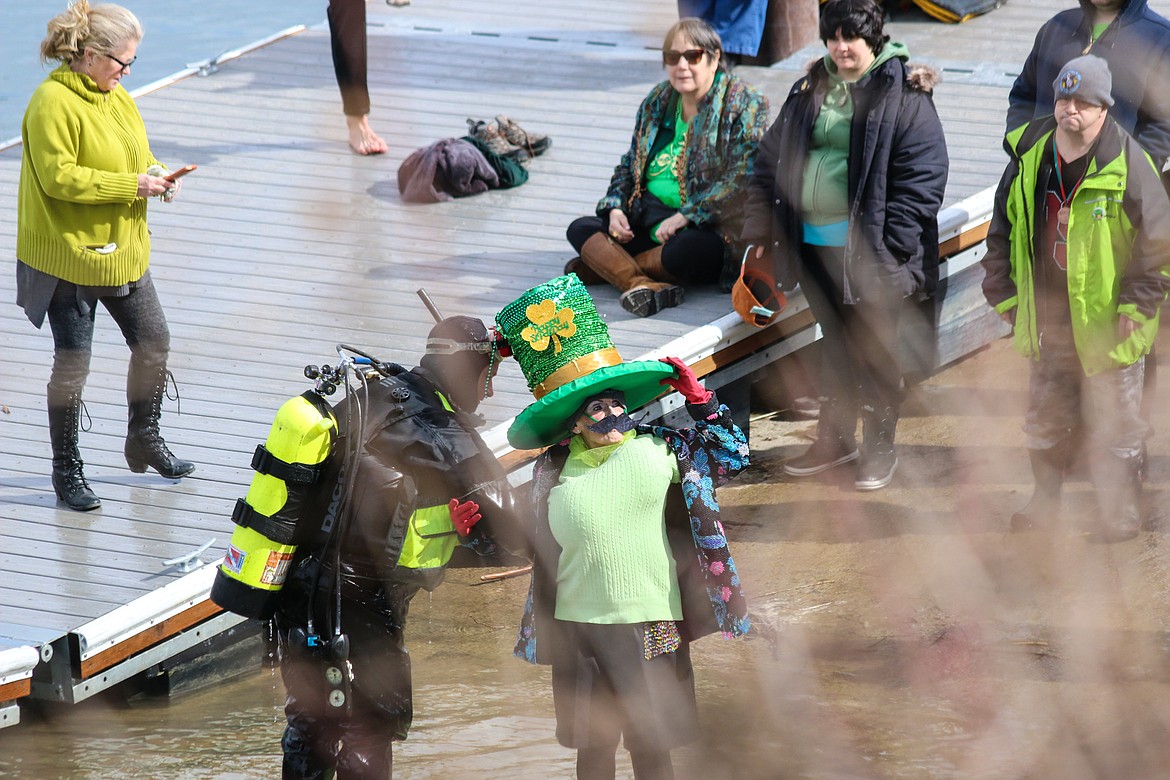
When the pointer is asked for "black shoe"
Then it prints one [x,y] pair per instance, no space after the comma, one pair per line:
[151,450]
[645,301]
[71,488]
[826,452]
[1043,508]
[1120,511]
[876,471]
[68,477]
[145,389]
[878,460]
[1122,528]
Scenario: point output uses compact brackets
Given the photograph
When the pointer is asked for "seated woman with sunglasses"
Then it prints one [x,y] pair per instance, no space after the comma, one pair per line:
[675,200]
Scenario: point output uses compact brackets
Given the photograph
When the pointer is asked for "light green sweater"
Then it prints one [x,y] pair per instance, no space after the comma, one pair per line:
[83,151]
[615,566]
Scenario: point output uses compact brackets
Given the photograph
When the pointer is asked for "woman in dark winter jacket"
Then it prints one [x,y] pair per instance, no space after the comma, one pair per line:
[845,196]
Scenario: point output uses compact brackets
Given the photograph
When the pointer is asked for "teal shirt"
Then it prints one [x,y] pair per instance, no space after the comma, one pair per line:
[615,565]
[825,187]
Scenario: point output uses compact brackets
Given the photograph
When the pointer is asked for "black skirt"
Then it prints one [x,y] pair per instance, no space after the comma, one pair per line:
[604,688]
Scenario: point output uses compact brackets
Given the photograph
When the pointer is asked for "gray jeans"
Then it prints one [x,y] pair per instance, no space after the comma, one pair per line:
[140,317]
[1106,406]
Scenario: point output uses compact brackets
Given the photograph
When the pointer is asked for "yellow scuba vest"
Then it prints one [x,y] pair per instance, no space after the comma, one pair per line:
[271,520]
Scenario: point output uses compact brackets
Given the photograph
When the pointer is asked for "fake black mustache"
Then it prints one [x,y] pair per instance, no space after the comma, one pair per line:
[620,423]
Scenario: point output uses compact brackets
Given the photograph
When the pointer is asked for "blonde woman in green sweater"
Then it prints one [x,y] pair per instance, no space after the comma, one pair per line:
[86,173]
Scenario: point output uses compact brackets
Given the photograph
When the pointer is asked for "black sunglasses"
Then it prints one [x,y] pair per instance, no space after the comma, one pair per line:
[125,65]
[692,56]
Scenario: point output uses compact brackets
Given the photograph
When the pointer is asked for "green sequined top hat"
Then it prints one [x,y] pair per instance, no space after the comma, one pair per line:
[564,349]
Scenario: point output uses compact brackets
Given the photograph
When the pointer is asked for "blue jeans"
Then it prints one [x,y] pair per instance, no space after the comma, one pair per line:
[740,23]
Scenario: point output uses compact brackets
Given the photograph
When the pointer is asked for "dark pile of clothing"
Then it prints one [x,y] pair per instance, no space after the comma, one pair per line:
[491,156]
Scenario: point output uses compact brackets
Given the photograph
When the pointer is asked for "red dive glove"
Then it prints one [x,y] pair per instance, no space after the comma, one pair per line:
[686,382]
[464,515]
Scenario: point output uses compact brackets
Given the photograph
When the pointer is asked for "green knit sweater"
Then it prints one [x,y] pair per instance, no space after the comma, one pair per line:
[615,566]
[83,151]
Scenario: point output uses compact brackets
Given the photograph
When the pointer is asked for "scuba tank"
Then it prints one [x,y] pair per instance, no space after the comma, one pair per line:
[271,520]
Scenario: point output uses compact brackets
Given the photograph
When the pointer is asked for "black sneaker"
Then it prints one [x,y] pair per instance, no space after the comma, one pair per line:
[825,453]
[876,471]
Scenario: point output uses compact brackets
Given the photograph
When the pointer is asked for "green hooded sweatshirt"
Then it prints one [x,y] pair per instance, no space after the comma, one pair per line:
[825,195]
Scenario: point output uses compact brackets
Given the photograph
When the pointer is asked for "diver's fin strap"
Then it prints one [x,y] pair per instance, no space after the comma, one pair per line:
[265,462]
[275,528]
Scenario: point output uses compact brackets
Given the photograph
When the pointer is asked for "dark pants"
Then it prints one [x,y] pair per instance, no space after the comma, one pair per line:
[859,345]
[1063,402]
[355,741]
[347,34]
[693,255]
[140,317]
[607,690]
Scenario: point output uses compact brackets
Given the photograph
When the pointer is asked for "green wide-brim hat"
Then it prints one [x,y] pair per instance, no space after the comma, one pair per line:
[564,349]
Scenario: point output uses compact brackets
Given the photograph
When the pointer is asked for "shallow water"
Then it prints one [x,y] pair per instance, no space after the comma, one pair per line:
[478,712]
[177,33]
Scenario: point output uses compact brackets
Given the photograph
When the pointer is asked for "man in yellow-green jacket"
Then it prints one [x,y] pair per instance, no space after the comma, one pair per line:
[1078,257]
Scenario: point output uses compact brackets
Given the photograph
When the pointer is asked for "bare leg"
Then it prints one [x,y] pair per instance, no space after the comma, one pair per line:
[347,34]
[362,138]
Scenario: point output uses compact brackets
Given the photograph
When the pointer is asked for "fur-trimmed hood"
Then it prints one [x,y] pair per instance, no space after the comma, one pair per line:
[922,76]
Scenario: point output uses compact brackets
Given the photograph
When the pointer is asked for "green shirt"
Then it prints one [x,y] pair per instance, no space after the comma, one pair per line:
[825,190]
[607,514]
[661,171]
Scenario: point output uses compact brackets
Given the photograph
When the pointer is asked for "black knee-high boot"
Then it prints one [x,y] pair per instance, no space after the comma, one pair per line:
[145,446]
[68,477]
[1043,508]
[1121,491]
[878,459]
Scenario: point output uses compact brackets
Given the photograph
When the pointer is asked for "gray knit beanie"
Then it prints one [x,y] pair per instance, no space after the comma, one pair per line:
[1085,78]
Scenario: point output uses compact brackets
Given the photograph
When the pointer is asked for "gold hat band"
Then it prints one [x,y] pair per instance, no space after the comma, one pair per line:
[575,369]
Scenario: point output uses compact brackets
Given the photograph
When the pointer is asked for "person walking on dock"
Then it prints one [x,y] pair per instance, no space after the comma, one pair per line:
[844,198]
[1078,263]
[347,36]
[409,479]
[82,238]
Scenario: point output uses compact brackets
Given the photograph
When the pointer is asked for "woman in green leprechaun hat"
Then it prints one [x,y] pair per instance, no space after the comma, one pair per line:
[630,562]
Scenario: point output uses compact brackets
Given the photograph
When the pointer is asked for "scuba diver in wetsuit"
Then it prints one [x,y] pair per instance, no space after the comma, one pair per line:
[409,480]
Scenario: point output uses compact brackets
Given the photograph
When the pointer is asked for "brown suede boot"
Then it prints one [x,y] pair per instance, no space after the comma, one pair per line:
[650,262]
[641,295]
[586,274]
